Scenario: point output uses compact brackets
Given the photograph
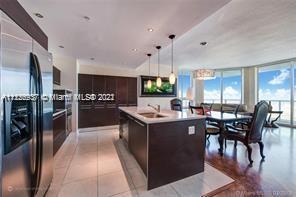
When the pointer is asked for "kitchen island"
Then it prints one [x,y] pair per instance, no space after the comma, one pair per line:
[168,145]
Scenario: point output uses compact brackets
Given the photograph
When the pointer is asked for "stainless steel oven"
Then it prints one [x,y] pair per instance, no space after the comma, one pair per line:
[63,100]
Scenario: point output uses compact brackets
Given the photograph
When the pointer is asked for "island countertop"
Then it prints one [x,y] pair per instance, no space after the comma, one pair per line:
[169,115]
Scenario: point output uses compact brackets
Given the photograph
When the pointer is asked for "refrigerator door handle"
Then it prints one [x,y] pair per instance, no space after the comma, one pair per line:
[40,123]
[36,76]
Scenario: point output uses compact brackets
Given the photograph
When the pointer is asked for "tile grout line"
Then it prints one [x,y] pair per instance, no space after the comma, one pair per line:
[175,190]
[67,168]
[97,165]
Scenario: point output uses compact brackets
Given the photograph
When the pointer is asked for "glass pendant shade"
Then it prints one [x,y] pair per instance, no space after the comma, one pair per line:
[172,78]
[149,84]
[158,82]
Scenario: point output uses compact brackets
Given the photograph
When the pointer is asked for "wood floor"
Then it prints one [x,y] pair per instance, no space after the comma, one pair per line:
[276,176]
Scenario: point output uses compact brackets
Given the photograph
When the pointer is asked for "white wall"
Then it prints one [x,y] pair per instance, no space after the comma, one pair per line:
[68,67]
[165,70]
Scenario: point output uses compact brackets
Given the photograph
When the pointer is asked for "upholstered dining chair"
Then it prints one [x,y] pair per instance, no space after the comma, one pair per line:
[253,134]
[176,104]
[211,129]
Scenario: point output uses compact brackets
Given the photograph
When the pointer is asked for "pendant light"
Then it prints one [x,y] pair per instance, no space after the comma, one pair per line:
[158,80]
[149,82]
[172,77]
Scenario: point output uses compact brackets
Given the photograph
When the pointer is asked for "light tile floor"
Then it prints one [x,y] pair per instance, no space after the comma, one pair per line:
[98,164]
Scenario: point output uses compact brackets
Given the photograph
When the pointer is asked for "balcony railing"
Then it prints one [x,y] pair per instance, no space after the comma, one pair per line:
[277,105]
[234,101]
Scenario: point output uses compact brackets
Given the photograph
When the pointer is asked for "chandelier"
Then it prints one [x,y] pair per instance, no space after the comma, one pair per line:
[204,74]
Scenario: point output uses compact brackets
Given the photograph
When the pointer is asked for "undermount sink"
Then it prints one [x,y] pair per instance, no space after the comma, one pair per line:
[151,115]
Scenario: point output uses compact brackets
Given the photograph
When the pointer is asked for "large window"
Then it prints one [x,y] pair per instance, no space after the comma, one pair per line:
[184,84]
[274,86]
[225,88]
[294,119]
[212,89]
[232,86]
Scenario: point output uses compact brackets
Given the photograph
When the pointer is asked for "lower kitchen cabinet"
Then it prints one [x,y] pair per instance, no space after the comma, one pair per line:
[134,133]
[59,131]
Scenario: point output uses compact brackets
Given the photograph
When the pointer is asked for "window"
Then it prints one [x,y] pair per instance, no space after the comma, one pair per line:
[212,89]
[274,86]
[231,83]
[232,86]
[184,84]
[294,118]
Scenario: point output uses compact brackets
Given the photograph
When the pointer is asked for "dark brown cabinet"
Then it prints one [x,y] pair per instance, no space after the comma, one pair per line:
[122,91]
[137,141]
[103,111]
[132,91]
[59,131]
[56,76]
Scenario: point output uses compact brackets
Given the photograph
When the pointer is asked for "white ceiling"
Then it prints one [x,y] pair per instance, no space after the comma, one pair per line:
[117,26]
[242,33]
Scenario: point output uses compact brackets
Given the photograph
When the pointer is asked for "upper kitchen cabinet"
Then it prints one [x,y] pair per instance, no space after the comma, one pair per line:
[122,91]
[56,76]
[132,92]
[98,87]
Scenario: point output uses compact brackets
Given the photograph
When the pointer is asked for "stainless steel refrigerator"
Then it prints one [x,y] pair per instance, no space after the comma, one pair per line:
[26,151]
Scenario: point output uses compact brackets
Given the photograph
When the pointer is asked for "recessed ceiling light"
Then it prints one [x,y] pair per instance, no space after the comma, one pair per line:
[150,30]
[38,15]
[86,18]
[203,43]
[135,50]
[61,46]
[92,58]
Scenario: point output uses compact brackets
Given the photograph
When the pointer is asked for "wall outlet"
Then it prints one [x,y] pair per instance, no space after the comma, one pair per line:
[191,130]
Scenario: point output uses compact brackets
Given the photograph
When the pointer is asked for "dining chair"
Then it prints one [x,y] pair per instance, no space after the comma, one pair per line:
[253,134]
[211,129]
[176,104]
[207,107]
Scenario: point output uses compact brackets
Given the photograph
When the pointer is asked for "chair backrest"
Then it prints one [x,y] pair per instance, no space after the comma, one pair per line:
[230,108]
[197,110]
[258,121]
[207,106]
[176,104]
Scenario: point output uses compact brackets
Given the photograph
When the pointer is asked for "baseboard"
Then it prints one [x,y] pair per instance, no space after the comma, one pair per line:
[92,129]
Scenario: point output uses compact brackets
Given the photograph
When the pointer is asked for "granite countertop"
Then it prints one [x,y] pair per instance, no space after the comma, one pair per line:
[169,115]
[59,112]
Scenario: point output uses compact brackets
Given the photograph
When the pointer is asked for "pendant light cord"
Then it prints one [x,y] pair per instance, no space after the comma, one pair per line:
[172,55]
[149,66]
[158,62]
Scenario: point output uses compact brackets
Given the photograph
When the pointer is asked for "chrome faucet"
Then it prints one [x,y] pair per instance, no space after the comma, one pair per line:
[157,108]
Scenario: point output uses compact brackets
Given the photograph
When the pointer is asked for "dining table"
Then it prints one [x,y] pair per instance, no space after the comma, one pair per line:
[221,119]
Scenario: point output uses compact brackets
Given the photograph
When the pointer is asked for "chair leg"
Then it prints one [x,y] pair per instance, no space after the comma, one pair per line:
[208,137]
[225,143]
[261,145]
[235,144]
[249,148]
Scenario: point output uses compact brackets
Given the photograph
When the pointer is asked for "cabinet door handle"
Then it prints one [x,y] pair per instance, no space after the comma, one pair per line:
[84,108]
[139,123]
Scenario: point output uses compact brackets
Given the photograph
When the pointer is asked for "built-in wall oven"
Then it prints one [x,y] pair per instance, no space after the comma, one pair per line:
[63,100]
